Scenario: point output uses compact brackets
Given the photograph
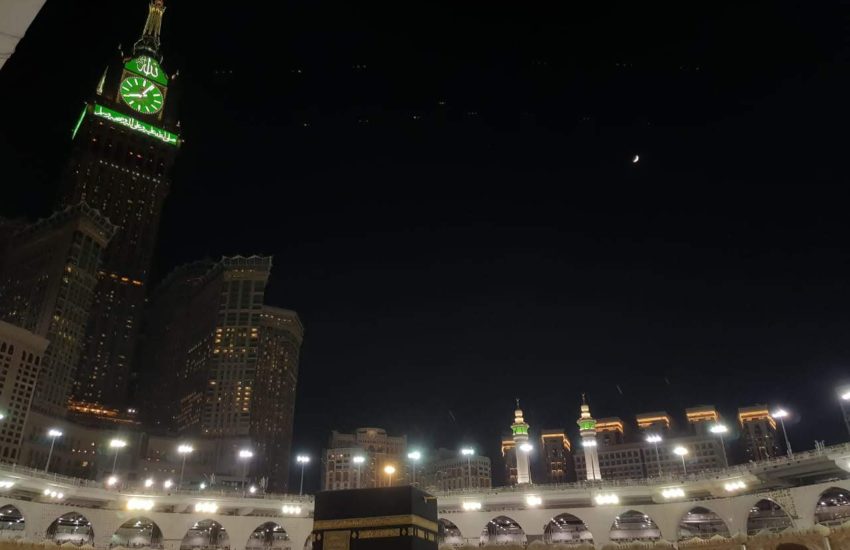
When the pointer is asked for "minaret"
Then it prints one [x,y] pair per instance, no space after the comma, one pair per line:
[149,42]
[587,429]
[521,446]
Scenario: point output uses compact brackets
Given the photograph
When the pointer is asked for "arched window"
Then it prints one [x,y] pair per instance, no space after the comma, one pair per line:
[11,522]
[71,527]
[503,530]
[702,523]
[766,515]
[634,526]
[448,533]
[138,532]
[207,534]
[566,528]
[269,535]
[833,507]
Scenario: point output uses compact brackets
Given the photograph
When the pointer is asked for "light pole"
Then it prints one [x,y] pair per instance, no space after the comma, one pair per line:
[414,458]
[781,414]
[303,460]
[245,455]
[389,469]
[845,397]
[116,444]
[53,433]
[721,430]
[681,451]
[468,452]
[359,460]
[183,450]
[655,439]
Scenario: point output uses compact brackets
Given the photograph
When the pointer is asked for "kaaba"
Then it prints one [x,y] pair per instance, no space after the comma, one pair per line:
[391,518]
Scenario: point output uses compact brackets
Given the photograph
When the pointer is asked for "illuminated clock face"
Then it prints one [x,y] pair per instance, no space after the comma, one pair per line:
[141,94]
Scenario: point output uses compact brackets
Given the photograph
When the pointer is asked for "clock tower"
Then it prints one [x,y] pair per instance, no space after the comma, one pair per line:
[123,148]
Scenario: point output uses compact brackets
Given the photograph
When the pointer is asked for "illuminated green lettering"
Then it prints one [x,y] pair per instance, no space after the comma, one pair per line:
[136,125]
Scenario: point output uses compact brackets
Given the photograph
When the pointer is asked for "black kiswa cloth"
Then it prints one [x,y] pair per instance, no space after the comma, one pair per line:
[375,519]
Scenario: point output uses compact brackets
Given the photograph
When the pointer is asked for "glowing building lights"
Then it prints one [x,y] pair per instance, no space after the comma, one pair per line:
[605,499]
[733,486]
[533,500]
[145,504]
[206,507]
[291,509]
[56,495]
[471,506]
[673,492]
[6,484]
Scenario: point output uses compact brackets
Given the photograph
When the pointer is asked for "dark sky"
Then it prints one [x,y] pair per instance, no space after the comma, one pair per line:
[448,192]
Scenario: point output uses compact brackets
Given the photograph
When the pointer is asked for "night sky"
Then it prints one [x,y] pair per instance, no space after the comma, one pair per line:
[448,192]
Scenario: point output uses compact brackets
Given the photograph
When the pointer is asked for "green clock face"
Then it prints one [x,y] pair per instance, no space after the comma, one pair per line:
[142,95]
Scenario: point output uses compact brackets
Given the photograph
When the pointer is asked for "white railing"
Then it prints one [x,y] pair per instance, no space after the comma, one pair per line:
[701,476]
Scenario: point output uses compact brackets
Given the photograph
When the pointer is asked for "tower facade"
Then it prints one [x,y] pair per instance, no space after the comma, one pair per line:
[124,146]
[519,430]
[47,287]
[281,334]
[587,430]
[221,365]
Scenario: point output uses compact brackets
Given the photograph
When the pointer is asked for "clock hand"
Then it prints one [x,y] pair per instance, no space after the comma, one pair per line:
[149,89]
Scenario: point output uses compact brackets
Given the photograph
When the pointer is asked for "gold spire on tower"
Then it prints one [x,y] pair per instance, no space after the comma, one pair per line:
[149,42]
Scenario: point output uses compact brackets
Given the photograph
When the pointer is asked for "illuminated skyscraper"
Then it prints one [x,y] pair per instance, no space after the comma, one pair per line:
[124,145]
[47,286]
[587,430]
[758,431]
[557,457]
[220,364]
[273,410]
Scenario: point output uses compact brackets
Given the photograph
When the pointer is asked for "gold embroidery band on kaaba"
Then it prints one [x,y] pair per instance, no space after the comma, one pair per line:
[380,521]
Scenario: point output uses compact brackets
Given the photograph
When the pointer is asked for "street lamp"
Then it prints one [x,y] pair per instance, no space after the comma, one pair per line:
[844,398]
[116,444]
[681,451]
[468,452]
[721,430]
[389,469]
[414,457]
[245,455]
[359,460]
[53,433]
[303,460]
[183,450]
[655,439]
[781,414]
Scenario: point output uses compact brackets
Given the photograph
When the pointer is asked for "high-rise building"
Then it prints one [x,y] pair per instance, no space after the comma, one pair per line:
[555,450]
[21,356]
[519,431]
[587,430]
[610,431]
[281,334]
[446,470]
[340,470]
[124,145]
[658,422]
[758,431]
[509,459]
[220,364]
[47,287]
[701,419]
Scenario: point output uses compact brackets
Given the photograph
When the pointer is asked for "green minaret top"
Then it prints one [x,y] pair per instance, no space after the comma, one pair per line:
[519,427]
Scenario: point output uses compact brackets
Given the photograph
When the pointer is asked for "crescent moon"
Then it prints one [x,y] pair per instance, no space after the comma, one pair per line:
[636,159]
